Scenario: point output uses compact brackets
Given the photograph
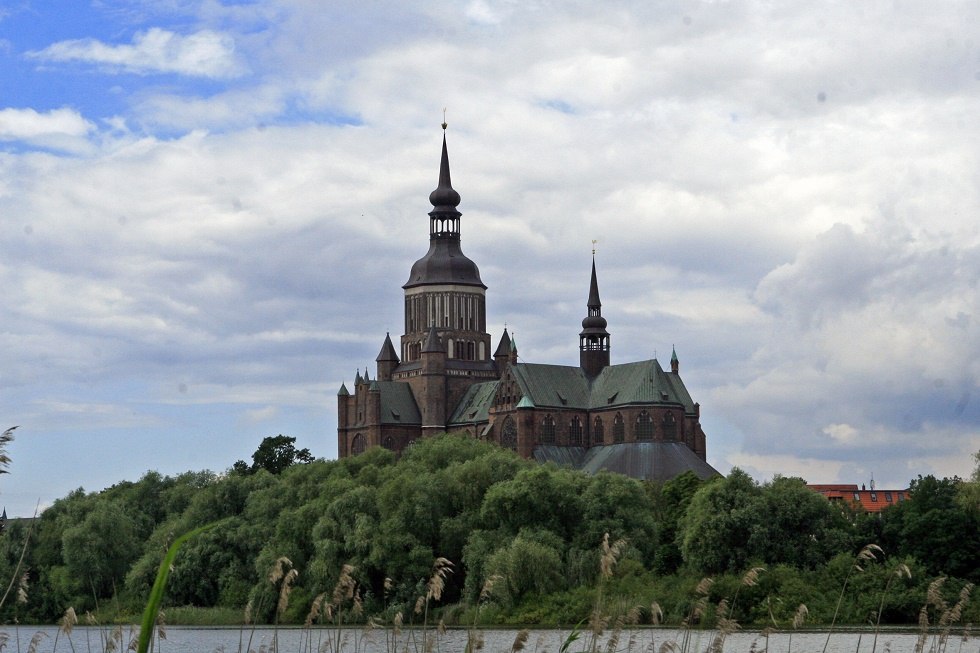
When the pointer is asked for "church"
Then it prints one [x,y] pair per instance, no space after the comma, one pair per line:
[634,418]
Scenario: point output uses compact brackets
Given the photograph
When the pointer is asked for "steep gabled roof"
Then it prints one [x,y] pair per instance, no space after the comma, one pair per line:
[564,386]
[474,407]
[397,403]
[643,382]
[561,386]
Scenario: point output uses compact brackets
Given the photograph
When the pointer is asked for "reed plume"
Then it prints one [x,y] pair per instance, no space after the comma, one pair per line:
[869,552]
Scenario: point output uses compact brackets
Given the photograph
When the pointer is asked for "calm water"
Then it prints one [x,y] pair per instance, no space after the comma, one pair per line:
[295,640]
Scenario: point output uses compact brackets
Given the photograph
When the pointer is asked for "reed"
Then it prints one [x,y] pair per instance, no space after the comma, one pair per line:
[868,553]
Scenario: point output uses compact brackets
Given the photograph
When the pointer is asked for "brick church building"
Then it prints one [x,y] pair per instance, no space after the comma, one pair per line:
[634,418]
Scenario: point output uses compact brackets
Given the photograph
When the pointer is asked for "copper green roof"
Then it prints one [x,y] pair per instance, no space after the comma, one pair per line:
[397,403]
[564,386]
[343,392]
[475,405]
[552,385]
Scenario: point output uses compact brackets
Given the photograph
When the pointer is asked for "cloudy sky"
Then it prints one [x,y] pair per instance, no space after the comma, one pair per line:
[207,210]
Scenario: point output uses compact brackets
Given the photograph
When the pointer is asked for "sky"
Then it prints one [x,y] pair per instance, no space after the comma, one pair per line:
[207,211]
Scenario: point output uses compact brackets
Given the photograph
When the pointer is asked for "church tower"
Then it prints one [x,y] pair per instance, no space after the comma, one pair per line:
[593,341]
[444,289]
[445,348]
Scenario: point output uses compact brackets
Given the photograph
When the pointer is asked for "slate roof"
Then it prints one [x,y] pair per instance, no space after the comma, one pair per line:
[643,382]
[654,461]
[552,385]
[397,403]
[474,407]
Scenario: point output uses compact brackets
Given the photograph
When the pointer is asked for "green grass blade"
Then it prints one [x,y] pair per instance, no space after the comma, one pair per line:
[159,585]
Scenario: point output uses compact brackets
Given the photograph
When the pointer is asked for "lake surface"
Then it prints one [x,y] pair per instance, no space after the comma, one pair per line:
[298,640]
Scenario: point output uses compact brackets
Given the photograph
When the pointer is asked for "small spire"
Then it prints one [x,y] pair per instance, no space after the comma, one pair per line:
[432,342]
[503,348]
[387,353]
[444,197]
[594,287]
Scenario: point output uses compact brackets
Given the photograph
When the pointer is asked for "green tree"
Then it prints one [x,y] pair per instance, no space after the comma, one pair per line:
[670,501]
[98,551]
[714,533]
[274,454]
[935,528]
[797,526]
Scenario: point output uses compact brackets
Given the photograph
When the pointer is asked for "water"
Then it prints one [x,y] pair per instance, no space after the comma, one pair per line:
[298,640]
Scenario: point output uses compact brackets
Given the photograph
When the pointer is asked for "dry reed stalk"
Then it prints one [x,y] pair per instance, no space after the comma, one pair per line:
[697,611]
[285,590]
[520,641]
[869,552]
[161,625]
[437,582]
[656,614]
[610,555]
[799,618]
[35,641]
[725,626]
[278,569]
[749,579]
[316,608]
[344,589]
[65,625]
[951,616]
[898,572]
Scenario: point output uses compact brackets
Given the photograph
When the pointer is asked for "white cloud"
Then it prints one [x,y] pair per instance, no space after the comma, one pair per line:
[31,125]
[842,433]
[203,54]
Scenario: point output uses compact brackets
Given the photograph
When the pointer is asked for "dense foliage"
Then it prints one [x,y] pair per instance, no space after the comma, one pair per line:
[535,530]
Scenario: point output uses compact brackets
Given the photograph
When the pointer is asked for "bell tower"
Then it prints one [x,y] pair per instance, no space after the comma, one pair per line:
[593,341]
[444,289]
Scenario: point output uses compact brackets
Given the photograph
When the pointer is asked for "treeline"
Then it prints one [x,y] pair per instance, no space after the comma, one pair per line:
[534,530]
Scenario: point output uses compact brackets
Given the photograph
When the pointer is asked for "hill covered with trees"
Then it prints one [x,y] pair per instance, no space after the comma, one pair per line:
[378,524]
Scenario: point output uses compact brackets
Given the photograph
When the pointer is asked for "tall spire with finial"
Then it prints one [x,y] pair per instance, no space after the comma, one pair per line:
[594,339]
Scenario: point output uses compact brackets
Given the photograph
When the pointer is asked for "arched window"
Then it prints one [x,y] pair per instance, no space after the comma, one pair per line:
[388,443]
[575,432]
[644,426]
[508,435]
[548,430]
[619,429]
[357,445]
[598,433]
[670,427]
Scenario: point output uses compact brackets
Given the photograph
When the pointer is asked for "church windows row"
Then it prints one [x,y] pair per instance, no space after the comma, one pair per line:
[454,310]
[552,430]
[643,430]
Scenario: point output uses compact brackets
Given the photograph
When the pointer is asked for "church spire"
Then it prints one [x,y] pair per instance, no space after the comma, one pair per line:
[594,339]
[445,199]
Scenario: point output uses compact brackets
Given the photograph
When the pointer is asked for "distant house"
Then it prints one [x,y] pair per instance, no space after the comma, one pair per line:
[634,418]
[872,500]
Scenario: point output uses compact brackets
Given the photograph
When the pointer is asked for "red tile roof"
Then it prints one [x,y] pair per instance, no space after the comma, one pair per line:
[867,500]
